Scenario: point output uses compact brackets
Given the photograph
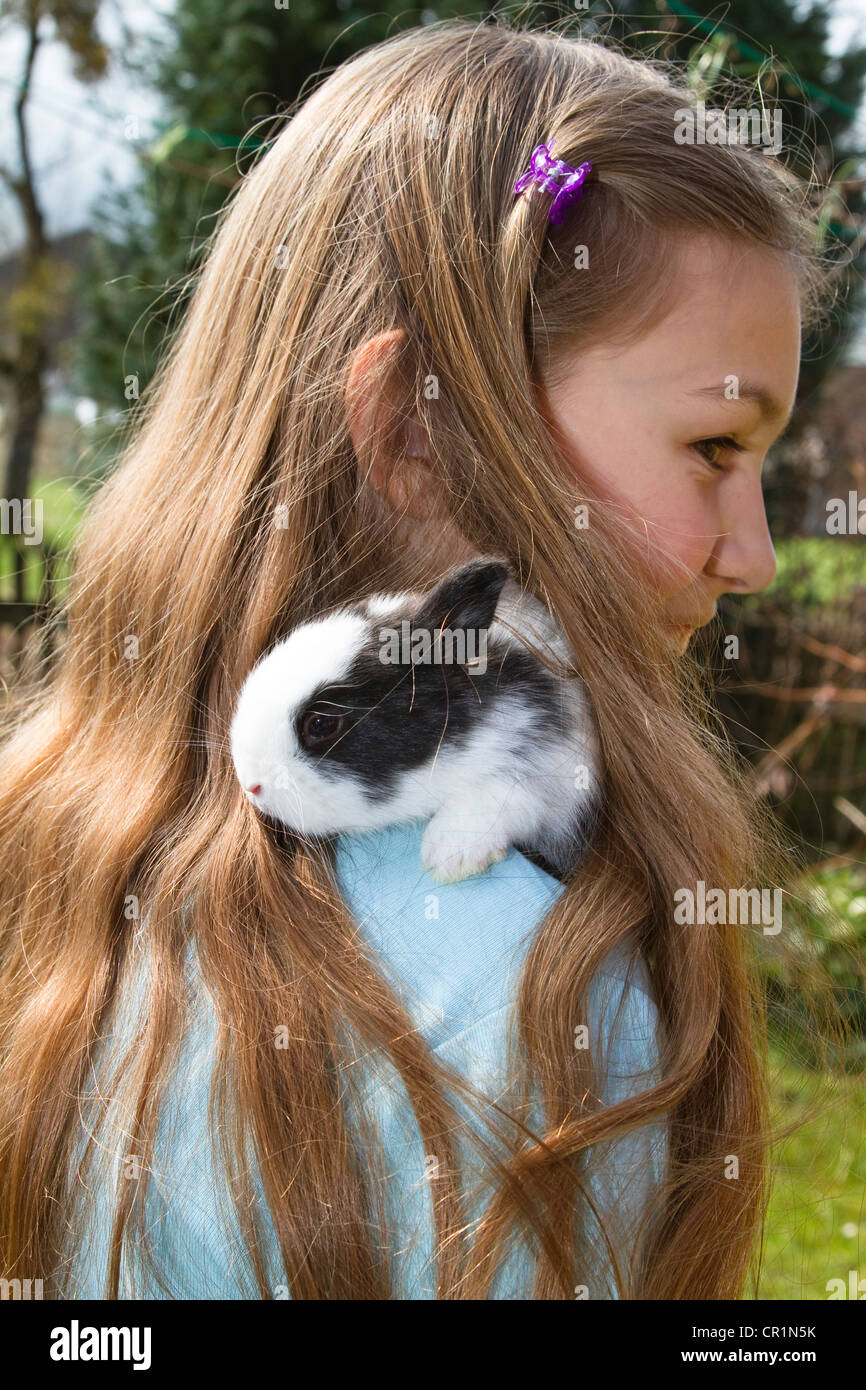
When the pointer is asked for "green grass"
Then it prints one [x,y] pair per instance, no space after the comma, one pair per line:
[818,571]
[816,1227]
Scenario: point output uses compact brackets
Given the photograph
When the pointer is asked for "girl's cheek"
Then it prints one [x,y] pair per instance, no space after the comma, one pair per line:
[673,544]
[668,521]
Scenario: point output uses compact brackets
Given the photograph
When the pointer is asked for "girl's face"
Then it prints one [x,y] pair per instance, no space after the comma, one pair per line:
[673,429]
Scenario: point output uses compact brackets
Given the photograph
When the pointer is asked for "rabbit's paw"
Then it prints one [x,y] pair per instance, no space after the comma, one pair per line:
[451,852]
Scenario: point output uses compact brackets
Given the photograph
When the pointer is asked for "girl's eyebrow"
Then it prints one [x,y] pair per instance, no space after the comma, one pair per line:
[770,408]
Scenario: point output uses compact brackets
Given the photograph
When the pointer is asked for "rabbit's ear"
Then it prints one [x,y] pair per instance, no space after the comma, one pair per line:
[466,598]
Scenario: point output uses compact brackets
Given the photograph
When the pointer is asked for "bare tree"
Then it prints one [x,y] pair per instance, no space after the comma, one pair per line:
[32,302]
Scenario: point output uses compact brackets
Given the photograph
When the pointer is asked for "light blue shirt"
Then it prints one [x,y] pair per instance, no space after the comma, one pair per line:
[453,953]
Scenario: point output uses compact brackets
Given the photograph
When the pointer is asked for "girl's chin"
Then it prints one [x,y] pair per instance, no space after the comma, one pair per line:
[682,636]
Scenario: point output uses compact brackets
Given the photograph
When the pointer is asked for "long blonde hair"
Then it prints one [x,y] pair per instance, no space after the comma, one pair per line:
[385,202]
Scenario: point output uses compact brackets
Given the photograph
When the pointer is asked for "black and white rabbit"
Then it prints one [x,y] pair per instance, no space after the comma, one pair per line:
[359,720]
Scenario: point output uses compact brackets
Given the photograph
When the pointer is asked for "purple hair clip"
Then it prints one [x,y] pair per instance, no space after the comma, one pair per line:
[545,171]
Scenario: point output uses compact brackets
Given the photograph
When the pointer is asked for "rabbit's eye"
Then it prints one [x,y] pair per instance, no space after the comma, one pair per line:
[318,729]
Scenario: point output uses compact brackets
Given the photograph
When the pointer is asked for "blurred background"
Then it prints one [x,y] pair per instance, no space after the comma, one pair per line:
[123,129]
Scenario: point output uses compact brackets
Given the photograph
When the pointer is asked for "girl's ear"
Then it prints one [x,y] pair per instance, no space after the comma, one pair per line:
[394,455]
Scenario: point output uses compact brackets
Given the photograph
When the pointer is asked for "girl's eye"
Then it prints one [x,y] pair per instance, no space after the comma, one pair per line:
[719,442]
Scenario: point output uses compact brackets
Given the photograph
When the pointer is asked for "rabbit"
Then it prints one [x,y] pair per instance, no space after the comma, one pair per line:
[358,720]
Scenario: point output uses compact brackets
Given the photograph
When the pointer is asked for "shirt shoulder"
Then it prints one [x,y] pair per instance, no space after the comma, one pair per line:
[452,947]
[453,952]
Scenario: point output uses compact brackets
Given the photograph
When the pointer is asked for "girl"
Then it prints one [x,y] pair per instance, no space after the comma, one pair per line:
[235,1063]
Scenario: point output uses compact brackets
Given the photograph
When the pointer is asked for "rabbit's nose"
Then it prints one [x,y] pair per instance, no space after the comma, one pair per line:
[255,788]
